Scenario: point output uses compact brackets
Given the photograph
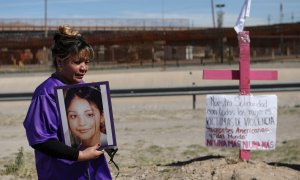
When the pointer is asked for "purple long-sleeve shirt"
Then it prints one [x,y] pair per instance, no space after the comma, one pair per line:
[42,123]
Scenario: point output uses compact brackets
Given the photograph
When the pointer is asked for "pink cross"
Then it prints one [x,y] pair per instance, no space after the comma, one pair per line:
[244,75]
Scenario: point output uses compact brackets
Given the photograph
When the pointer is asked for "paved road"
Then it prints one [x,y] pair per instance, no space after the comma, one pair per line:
[150,77]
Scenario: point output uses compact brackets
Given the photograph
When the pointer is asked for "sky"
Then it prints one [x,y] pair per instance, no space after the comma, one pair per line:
[197,12]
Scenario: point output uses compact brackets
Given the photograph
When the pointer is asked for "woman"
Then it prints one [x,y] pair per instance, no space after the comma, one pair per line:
[85,115]
[54,159]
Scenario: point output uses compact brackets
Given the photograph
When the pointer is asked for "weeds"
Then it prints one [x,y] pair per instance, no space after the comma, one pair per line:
[15,166]
[21,167]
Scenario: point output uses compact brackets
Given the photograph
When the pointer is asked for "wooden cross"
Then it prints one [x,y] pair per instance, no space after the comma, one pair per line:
[244,75]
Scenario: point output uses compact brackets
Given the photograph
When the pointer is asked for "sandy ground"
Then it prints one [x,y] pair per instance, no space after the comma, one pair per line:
[163,138]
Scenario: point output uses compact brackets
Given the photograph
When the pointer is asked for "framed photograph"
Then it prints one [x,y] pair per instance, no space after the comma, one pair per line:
[86,115]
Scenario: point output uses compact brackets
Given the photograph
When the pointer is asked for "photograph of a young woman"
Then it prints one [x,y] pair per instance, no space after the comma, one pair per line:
[85,116]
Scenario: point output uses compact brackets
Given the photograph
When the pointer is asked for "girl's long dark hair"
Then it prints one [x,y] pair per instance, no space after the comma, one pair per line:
[90,93]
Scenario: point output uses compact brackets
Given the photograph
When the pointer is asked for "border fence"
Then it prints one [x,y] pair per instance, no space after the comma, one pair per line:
[25,44]
[91,24]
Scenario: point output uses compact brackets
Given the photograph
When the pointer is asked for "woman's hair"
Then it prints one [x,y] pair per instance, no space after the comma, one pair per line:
[68,42]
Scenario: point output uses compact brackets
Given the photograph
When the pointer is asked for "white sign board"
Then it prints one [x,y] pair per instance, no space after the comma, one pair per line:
[246,122]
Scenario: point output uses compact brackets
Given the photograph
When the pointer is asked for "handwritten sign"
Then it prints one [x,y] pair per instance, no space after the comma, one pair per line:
[246,122]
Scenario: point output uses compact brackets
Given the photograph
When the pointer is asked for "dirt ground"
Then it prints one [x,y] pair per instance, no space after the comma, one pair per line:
[163,138]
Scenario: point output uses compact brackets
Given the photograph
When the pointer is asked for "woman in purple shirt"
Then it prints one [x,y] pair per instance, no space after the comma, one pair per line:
[54,159]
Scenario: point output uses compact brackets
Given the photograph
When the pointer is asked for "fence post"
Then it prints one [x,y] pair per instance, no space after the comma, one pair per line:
[194,101]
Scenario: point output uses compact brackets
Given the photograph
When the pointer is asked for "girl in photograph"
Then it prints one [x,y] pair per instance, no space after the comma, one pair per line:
[55,160]
[85,116]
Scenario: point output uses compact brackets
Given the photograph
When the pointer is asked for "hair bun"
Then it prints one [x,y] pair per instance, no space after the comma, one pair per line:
[68,41]
[68,31]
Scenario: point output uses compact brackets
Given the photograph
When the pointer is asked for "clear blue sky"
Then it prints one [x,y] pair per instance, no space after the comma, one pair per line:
[197,11]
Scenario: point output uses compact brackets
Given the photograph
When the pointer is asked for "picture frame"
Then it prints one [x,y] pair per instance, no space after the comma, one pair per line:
[86,115]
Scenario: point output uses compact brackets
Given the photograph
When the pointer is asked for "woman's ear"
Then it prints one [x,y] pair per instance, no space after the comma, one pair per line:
[59,62]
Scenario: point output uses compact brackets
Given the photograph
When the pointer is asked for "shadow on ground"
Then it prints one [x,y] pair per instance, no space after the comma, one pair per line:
[182,163]
[292,166]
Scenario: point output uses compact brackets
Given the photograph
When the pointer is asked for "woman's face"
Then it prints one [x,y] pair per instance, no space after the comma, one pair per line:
[73,69]
[84,119]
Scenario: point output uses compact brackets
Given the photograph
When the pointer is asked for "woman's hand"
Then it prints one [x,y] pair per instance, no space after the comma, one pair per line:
[89,153]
